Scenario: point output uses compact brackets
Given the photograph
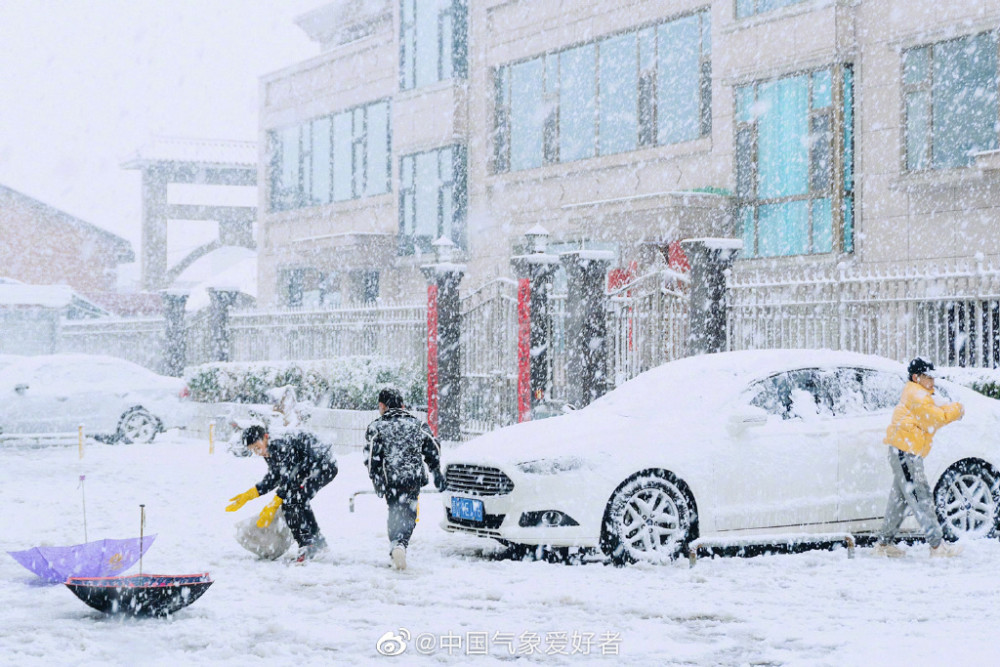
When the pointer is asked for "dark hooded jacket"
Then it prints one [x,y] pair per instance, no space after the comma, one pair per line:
[298,466]
[397,446]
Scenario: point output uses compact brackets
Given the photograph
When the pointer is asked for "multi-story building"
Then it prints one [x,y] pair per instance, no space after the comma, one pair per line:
[820,132]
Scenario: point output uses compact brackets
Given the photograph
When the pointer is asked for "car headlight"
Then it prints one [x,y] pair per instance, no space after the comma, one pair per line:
[551,466]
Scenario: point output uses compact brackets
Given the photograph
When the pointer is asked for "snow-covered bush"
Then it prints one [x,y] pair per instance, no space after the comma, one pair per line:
[349,383]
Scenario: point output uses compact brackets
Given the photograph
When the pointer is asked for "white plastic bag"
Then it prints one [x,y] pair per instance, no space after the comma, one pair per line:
[267,543]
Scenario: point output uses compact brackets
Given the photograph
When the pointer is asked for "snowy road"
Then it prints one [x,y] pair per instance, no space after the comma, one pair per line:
[455,602]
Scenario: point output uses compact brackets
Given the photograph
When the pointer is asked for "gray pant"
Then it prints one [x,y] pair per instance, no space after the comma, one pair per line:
[402,517]
[909,490]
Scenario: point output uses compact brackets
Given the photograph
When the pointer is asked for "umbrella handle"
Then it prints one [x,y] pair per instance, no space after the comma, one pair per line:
[142,525]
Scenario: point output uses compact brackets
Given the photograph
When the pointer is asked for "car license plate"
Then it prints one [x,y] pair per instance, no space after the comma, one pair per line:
[466,508]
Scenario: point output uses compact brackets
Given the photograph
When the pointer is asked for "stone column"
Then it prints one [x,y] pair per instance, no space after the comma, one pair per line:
[444,350]
[174,335]
[710,259]
[534,273]
[586,326]
[221,341]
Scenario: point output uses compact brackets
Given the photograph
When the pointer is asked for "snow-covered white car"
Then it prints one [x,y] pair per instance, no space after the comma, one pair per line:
[113,398]
[732,444]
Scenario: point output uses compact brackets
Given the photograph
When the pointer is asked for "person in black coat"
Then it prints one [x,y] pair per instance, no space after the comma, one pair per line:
[397,447]
[297,468]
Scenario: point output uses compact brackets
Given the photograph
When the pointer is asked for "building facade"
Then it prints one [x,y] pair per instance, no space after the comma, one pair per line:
[819,132]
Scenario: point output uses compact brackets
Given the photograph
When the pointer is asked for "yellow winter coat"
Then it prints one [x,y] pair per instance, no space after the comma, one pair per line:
[916,418]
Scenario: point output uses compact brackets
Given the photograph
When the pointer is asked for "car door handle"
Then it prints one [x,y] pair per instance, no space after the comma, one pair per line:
[62,398]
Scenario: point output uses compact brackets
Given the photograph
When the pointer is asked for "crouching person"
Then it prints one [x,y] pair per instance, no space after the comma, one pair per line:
[297,468]
[397,447]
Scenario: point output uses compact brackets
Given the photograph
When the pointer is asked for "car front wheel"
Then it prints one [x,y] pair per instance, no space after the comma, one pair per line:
[137,425]
[967,499]
[650,518]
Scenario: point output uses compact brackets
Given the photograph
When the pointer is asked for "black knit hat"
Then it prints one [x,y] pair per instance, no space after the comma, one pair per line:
[920,366]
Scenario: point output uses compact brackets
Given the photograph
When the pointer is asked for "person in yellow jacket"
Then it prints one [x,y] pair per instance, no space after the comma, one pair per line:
[915,420]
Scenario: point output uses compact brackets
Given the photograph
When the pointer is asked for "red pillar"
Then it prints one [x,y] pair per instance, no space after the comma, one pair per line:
[432,358]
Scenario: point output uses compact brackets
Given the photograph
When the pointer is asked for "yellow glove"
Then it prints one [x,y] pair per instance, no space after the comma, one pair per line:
[267,514]
[242,499]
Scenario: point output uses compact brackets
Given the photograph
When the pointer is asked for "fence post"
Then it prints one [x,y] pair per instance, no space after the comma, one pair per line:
[221,301]
[444,352]
[174,336]
[586,325]
[534,272]
[710,258]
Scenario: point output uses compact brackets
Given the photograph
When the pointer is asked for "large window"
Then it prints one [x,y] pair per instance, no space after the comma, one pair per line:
[433,41]
[950,91]
[794,164]
[432,198]
[620,93]
[331,158]
[746,8]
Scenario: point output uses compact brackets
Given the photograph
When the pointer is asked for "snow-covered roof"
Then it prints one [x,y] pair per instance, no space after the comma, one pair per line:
[47,296]
[228,267]
[204,151]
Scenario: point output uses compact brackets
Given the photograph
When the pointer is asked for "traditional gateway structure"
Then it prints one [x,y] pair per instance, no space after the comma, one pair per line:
[588,151]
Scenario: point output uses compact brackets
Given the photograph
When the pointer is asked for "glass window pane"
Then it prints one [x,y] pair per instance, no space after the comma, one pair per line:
[822,89]
[290,155]
[822,225]
[782,129]
[745,161]
[447,41]
[916,66]
[744,8]
[706,34]
[965,99]
[744,104]
[821,154]
[749,235]
[783,229]
[446,165]
[527,115]
[678,90]
[426,51]
[377,178]
[647,49]
[619,120]
[321,184]
[426,184]
[343,167]
[918,128]
[848,223]
[577,102]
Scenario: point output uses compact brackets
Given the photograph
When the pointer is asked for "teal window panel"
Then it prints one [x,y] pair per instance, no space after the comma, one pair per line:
[783,146]
[527,114]
[577,103]
[964,99]
[618,121]
[678,80]
[822,225]
[783,229]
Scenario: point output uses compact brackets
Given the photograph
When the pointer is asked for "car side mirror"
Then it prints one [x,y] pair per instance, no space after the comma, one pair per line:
[20,389]
[741,420]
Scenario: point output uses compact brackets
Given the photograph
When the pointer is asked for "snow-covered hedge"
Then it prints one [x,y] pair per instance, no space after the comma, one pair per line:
[348,383]
[984,380]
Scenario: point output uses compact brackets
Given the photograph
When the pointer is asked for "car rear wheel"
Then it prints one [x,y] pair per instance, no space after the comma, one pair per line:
[967,499]
[137,425]
[650,518]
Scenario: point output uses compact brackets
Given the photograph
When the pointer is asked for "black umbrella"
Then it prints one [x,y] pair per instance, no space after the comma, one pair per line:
[140,594]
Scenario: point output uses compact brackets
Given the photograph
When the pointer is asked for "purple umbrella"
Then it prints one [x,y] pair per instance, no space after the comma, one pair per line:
[103,558]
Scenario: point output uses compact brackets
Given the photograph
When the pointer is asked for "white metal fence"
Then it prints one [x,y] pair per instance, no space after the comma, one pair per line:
[950,313]
[489,357]
[139,340]
[647,323]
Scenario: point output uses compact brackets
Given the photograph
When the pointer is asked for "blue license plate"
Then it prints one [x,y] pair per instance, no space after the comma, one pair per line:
[466,508]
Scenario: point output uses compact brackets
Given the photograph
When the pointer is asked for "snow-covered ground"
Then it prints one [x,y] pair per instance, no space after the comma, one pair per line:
[812,608]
